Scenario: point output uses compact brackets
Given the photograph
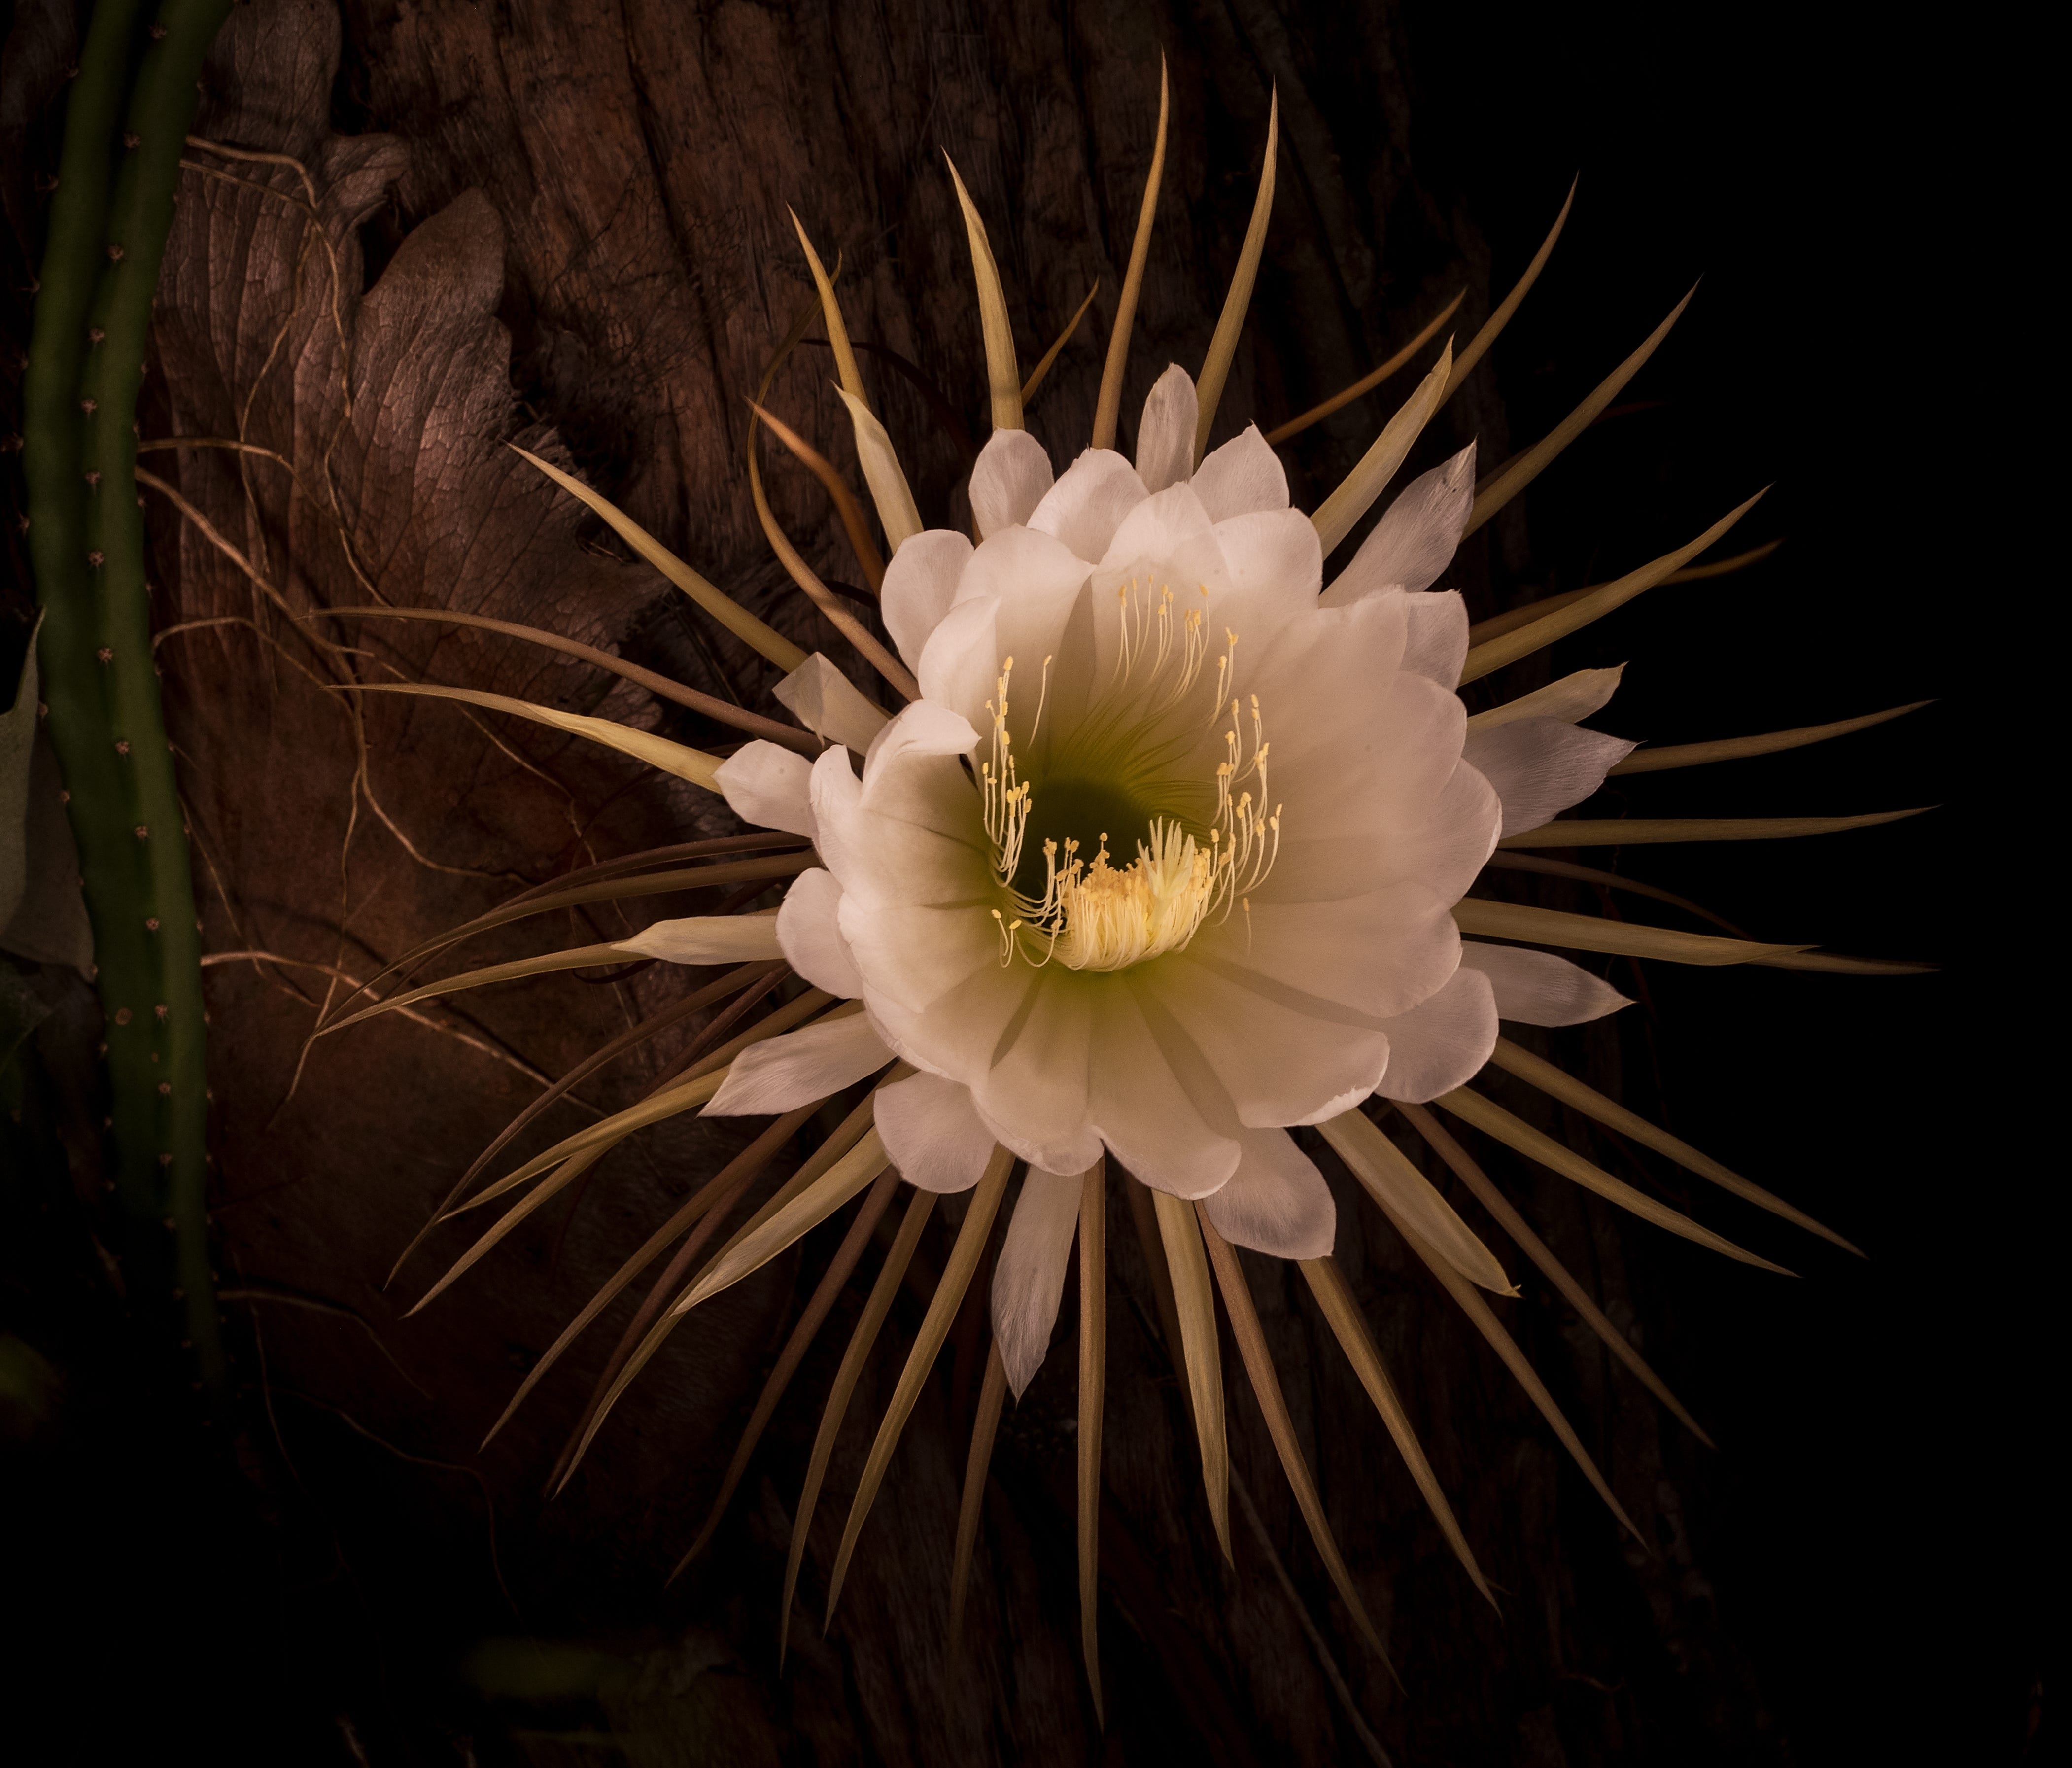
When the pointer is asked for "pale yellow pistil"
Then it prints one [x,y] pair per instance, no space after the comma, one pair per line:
[1093,914]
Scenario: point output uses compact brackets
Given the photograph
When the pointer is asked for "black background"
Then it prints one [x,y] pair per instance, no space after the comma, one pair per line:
[1849,193]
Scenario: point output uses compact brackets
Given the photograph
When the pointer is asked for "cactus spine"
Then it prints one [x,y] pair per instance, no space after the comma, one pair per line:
[109,219]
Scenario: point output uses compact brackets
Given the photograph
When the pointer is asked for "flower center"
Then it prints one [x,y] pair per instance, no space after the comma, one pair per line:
[1087,912]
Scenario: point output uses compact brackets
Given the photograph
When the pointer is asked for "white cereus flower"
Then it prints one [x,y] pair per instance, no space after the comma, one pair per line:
[1162,861]
[1166,856]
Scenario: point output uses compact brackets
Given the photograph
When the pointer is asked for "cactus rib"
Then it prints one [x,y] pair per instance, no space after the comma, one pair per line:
[109,237]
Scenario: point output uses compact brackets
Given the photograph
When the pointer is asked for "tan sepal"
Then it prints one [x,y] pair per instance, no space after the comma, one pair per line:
[545,899]
[1003,373]
[896,512]
[659,752]
[1093,1390]
[696,1088]
[552,1186]
[1274,1405]
[1482,918]
[1512,618]
[1470,1302]
[1558,1083]
[688,1214]
[1393,1181]
[1337,514]
[727,1187]
[1107,411]
[661,686]
[1639,831]
[1698,754]
[1514,475]
[723,607]
[1370,380]
[1536,1249]
[1522,641]
[841,1182]
[1334,1297]
[992,1394]
[832,1280]
[1493,327]
[878,1305]
[581,957]
[847,509]
[934,1327]
[1547,702]
[831,313]
[828,702]
[1188,1265]
[1834,964]
[731,983]
[818,593]
[1037,374]
[1536,1144]
[798,1217]
[1592,934]
[846,1136]
[1222,347]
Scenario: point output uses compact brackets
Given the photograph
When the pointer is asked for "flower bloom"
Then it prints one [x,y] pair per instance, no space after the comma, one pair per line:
[1162,860]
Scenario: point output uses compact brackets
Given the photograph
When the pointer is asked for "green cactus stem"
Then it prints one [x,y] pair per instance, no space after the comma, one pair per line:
[100,271]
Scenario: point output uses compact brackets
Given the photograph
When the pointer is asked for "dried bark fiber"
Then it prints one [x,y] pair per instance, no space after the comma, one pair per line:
[566,225]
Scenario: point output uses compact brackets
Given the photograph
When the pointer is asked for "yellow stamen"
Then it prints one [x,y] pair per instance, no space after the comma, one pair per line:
[1091,914]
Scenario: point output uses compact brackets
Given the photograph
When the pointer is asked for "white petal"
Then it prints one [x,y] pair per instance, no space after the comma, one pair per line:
[911,956]
[708,938]
[783,1073]
[1442,1043]
[1085,507]
[953,1034]
[1379,954]
[1416,540]
[1018,562]
[825,700]
[882,472]
[1455,841]
[1573,698]
[962,658]
[1165,438]
[1540,766]
[934,1137]
[1355,741]
[1154,530]
[1539,988]
[1284,1056]
[836,790]
[1034,1087]
[1140,1108]
[1437,643]
[921,583]
[1242,475]
[1030,1276]
[919,836]
[1275,564]
[809,932]
[770,786]
[1276,1201]
[1008,482]
[924,728]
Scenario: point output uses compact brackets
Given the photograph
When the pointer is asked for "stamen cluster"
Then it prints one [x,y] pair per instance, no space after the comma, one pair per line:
[1092,914]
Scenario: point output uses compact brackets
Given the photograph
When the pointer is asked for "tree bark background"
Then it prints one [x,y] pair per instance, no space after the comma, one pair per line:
[567,226]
